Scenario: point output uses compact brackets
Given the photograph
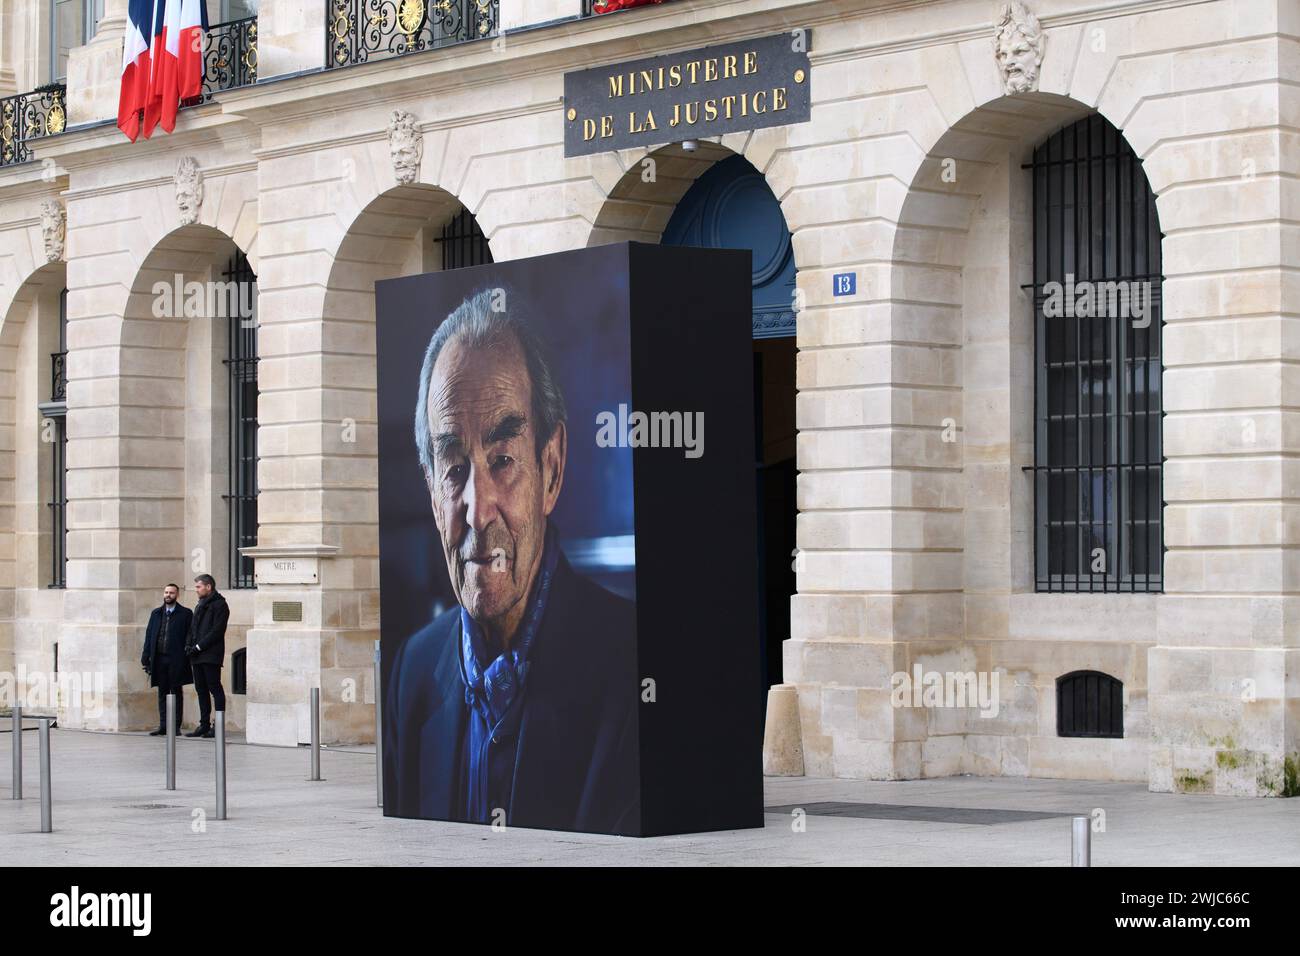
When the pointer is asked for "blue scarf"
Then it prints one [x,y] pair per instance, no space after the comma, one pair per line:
[492,691]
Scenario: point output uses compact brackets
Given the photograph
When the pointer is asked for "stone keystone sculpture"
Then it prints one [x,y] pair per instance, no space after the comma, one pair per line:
[53,229]
[189,190]
[406,144]
[1018,43]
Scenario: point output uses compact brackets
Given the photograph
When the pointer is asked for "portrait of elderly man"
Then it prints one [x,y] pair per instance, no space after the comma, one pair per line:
[517,705]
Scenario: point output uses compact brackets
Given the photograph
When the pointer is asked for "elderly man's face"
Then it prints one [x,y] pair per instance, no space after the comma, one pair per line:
[490,493]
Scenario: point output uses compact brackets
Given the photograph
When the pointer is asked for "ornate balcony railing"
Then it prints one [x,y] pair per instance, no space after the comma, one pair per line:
[58,376]
[363,30]
[29,116]
[229,58]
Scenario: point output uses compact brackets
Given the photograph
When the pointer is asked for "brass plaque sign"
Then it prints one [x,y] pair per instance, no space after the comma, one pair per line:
[286,610]
[750,84]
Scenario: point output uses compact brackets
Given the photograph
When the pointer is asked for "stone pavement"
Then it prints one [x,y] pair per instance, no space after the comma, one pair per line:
[110,808]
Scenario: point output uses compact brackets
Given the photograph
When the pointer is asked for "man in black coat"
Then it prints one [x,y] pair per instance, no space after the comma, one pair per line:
[206,649]
[518,706]
[164,657]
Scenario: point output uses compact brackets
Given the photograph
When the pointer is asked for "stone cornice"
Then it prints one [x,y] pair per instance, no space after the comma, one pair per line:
[31,179]
[291,551]
[212,172]
[381,132]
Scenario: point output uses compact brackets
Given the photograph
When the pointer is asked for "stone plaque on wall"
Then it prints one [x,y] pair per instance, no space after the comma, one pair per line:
[286,570]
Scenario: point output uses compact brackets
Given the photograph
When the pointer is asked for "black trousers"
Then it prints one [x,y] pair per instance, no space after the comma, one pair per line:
[163,691]
[207,680]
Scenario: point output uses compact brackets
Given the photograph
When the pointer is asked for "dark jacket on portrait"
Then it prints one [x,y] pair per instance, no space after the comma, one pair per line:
[169,668]
[576,764]
[208,630]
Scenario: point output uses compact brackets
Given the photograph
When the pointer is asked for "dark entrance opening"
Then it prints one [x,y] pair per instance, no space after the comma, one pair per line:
[732,207]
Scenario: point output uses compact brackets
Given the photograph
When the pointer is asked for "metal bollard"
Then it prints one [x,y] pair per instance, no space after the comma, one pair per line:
[315,733]
[1081,842]
[220,720]
[171,741]
[46,801]
[17,793]
[379,734]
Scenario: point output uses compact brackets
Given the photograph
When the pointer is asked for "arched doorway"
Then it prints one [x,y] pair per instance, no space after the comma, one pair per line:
[731,206]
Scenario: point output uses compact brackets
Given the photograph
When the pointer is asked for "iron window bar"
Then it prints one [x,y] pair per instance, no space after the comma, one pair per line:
[58,503]
[463,242]
[1098,460]
[241,365]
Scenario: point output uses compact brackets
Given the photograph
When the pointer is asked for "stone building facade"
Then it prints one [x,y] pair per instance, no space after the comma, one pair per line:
[914,397]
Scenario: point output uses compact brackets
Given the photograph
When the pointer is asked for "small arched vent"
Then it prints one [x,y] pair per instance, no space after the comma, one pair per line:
[1089,704]
[239,671]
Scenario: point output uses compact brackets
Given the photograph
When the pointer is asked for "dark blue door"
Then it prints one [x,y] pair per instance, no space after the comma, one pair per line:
[732,207]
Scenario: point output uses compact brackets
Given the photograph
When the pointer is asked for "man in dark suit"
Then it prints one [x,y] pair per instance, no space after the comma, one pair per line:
[519,705]
[163,657]
[206,648]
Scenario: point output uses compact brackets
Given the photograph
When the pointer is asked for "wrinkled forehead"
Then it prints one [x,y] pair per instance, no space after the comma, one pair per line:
[478,381]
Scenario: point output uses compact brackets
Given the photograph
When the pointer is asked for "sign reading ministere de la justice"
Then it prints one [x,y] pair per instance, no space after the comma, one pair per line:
[750,84]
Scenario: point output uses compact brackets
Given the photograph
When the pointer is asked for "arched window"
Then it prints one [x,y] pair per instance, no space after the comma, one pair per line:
[1089,704]
[463,242]
[241,363]
[1097,409]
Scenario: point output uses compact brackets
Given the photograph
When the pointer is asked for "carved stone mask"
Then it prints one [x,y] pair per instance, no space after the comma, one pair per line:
[1018,43]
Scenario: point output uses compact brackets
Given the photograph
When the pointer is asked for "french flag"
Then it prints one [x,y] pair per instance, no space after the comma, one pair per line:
[135,67]
[176,71]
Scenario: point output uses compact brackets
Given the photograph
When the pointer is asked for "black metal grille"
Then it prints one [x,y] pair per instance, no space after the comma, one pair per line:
[463,242]
[29,116]
[1089,704]
[58,376]
[1097,403]
[239,671]
[229,58]
[242,366]
[58,437]
[359,31]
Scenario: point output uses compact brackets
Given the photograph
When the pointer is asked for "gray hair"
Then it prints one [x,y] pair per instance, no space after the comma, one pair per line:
[478,325]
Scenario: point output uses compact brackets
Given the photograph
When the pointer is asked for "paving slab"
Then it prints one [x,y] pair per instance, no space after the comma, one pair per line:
[111,809]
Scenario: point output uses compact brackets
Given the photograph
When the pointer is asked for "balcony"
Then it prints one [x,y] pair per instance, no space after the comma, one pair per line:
[26,117]
[358,31]
[229,58]
[58,376]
